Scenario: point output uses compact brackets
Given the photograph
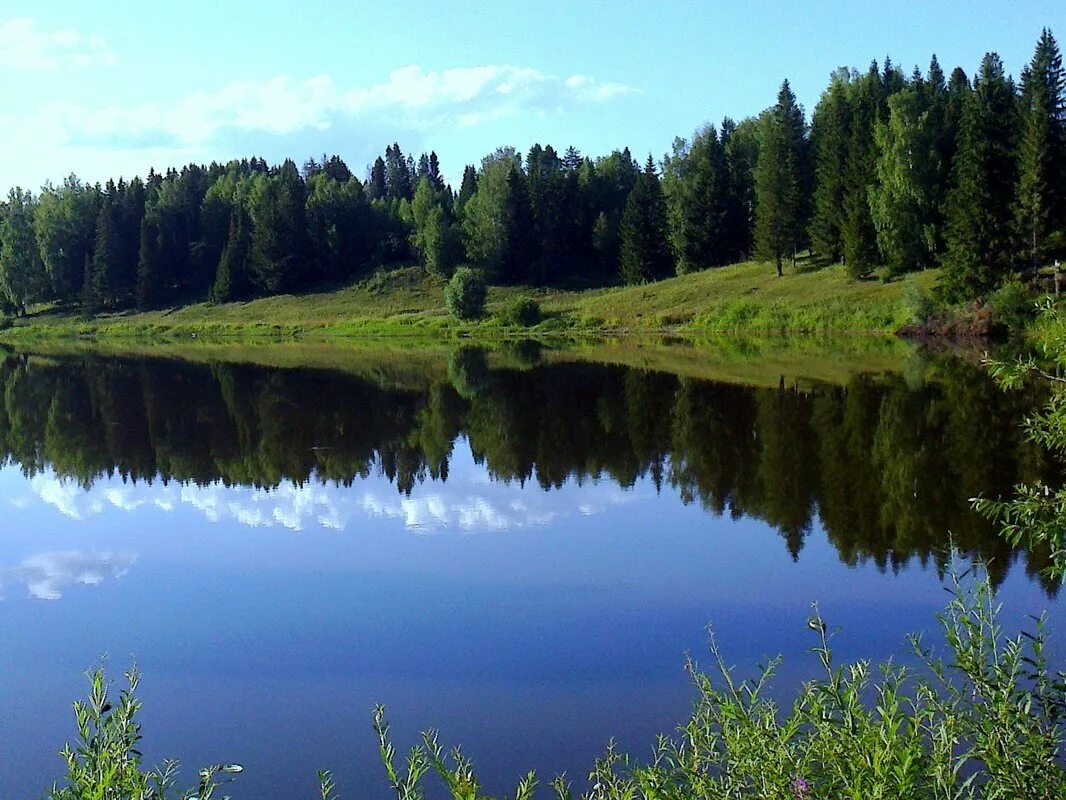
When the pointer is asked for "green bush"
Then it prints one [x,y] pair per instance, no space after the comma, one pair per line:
[915,302]
[1013,304]
[522,312]
[464,294]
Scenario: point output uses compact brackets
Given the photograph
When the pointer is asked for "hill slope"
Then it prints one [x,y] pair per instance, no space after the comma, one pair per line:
[746,297]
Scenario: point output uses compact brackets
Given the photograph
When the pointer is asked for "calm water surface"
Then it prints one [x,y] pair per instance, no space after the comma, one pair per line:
[518,553]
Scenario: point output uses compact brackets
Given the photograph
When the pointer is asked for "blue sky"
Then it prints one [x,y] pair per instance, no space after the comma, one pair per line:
[113,88]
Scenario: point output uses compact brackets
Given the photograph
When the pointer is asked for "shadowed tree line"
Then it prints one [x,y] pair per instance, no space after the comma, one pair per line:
[886,464]
[892,172]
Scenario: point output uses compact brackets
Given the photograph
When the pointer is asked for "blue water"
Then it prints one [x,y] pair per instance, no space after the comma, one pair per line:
[528,624]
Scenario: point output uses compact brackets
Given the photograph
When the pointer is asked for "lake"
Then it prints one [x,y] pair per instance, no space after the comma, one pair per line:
[517,547]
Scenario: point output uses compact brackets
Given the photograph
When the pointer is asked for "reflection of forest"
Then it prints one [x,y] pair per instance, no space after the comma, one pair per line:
[887,465]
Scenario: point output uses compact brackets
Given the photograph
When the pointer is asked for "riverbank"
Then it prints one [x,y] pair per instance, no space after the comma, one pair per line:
[744,298]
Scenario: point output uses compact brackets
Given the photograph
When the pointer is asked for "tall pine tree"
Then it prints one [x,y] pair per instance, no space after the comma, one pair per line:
[644,251]
[1039,212]
[829,140]
[980,227]
[780,179]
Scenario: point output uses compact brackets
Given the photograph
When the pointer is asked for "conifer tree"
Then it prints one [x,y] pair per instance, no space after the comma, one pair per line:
[696,184]
[980,228]
[829,140]
[858,235]
[106,254]
[376,188]
[644,250]
[231,279]
[741,145]
[779,180]
[149,287]
[1039,213]
[469,184]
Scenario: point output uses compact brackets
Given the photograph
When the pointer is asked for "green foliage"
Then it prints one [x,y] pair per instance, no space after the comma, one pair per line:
[829,141]
[65,225]
[435,236]
[1014,305]
[779,180]
[522,312]
[1036,515]
[497,219]
[644,253]
[980,239]
[904,201]
[465,293]
[276,206]
[866,99]
[22,275]
[917,304]
[697,187]
[338,227]
[231,279]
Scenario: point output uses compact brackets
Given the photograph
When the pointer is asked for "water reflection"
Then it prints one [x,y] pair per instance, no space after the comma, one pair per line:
[886,462]
[47,575]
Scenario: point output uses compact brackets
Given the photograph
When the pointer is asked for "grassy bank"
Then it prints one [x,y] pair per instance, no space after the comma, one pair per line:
[745,298]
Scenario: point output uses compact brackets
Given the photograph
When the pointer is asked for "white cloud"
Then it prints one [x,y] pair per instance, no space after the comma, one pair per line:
[47,575]
[23,46]
[410,98]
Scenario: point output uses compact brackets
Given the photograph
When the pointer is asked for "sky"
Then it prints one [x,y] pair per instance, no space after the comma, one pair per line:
[109,89]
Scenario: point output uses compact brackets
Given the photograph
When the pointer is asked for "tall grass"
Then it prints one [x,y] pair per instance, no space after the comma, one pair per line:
[983,720]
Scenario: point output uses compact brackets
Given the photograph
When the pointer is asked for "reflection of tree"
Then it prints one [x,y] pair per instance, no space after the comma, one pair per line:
[887,466]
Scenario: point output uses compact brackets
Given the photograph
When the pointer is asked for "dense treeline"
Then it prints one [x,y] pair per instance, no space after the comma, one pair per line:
[885,465]
[893,173]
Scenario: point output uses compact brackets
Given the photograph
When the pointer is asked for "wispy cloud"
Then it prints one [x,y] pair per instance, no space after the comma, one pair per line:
[24,46]
[410,98]
[47,575]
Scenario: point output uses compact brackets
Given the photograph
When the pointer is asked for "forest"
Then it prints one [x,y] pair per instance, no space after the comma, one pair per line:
[892,173]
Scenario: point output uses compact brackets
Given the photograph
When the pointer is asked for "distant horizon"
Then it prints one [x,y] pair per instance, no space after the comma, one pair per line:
[89,93]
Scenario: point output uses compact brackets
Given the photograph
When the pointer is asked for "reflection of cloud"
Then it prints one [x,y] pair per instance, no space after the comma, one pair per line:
[47,575]
[23,46]
[466,502]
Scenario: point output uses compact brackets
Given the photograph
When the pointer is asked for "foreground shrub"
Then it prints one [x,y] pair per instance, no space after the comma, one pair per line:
[464,294]
[988,722]
[522,312]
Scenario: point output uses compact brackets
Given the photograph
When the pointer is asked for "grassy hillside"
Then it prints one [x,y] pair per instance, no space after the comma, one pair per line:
[743,298]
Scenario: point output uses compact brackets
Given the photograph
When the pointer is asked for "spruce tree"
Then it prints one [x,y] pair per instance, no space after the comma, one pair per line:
[829,140]
[106,255]
[469,184]
[696,184]
[231,278]
[1041,195]
[980,227]
[376,188]
[149,288]
[645,252]
[858,235]
[779,180]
